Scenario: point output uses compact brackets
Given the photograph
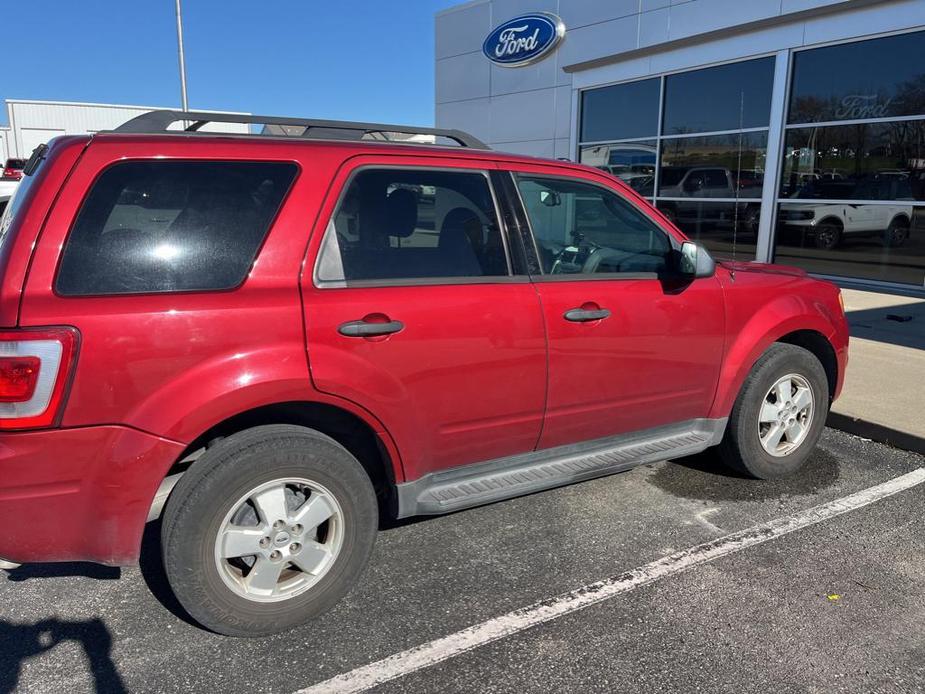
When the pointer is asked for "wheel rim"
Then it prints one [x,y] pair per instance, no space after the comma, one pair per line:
[826,236]
[786,415]
[897,234]
[279,539]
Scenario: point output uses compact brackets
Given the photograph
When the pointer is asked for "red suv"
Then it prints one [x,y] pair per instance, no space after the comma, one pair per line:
[273,340]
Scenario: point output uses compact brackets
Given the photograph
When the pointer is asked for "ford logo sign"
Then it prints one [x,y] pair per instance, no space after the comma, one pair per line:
[523,40]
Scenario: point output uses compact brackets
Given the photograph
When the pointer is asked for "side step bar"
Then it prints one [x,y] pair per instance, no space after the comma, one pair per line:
[504,478]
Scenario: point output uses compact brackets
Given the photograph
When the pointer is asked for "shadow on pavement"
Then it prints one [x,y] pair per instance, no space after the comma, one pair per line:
[64,569]
[704,477]
[19,642]
[902,325]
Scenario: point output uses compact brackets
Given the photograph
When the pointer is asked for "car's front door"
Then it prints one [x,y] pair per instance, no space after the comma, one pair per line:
[631,346]
[415,313]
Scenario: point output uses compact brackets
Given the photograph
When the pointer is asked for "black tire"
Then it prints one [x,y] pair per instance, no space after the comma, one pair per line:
[198,505]
[828,235]
[741,448]
[897,233]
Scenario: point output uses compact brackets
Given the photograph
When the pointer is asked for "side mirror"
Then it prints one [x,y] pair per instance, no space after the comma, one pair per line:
[695,262]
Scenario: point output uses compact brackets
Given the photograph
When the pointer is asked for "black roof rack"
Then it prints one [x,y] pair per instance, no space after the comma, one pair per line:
[160,121]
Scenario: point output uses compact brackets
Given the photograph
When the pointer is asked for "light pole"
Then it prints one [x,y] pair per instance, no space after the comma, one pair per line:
[183,98]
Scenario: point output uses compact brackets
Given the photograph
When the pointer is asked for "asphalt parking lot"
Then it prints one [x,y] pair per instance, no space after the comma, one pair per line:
[836,606]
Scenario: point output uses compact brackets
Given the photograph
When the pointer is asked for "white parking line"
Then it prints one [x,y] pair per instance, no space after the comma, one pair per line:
[438,650]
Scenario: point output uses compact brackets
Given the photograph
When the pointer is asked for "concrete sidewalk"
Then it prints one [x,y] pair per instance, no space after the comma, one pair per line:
[884,390]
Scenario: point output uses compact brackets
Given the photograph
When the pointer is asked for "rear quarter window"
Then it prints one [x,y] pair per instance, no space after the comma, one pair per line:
[171,226]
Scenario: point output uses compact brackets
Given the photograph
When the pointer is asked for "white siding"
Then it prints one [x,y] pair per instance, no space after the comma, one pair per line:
[35,122]
[4,145]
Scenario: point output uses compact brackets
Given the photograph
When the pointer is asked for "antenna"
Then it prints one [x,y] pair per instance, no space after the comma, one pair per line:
[738,181]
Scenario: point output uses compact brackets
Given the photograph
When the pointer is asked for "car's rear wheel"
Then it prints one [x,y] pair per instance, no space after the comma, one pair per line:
[779,415]
[897,233]
[268,529]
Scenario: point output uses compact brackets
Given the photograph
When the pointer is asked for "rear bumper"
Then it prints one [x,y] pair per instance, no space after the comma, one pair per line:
[79,494]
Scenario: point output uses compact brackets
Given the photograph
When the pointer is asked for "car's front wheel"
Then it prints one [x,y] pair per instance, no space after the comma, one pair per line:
[268,529]
[779,415]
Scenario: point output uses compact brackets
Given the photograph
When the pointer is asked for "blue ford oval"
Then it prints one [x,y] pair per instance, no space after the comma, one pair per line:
[523,40]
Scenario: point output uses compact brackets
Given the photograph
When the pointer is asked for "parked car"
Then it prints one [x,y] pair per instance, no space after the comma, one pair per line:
[710,182]
[12,171]
[271,342]
[828,224]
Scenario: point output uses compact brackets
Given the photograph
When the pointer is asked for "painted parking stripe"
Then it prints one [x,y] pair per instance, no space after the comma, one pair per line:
[438,650]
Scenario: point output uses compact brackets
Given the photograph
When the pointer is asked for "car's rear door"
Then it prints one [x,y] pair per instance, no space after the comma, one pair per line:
[415,311]
[631,347]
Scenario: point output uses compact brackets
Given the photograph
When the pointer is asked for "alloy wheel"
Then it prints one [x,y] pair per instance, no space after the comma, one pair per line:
[279,539]
[786,415]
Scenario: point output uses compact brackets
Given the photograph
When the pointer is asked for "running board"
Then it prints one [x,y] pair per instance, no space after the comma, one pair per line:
[504,478]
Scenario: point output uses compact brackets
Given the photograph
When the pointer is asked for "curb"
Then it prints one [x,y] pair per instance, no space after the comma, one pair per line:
[876,432]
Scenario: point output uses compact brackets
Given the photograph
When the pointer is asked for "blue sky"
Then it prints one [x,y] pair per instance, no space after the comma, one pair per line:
[349,59]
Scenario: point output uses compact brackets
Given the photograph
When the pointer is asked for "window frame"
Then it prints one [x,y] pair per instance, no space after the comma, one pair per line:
[512,274]
[191,160]
[543,276]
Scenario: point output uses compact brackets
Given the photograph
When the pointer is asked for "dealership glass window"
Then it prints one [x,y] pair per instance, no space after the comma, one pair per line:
[872,241]
[620,112]
[634,162]
[727,97]
[852,196]
[718,166]
[880,78]
[727,228]
[711,147]
[867,161]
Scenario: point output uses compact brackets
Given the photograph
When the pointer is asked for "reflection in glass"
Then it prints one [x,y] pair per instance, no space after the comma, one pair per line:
[727,97]
[725,228]
[633,162]
[718,166]
[853,81]
[620,112]
[876,161]
[874,241]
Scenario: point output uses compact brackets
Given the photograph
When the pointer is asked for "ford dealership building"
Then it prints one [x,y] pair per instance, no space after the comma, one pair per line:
[785,130]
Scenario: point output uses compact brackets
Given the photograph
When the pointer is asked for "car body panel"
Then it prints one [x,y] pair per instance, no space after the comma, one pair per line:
[442,385]
[465,382]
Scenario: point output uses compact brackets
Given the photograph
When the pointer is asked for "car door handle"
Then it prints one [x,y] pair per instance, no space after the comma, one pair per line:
[362,328]
[584,315]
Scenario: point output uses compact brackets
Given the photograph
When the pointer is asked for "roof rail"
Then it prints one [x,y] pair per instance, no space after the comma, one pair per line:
[160,121]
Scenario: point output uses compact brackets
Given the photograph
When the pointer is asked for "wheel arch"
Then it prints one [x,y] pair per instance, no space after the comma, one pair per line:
[833,220]
[366,441]
[804,327]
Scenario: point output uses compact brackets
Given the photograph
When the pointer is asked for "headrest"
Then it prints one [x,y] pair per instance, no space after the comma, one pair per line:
[400,216]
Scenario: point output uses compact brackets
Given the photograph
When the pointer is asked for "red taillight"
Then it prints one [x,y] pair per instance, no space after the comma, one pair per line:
[15,174]
[18,376]
[35,368]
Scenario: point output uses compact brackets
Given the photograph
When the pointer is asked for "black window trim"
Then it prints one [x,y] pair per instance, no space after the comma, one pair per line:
[209,160]
[510,278]
[579,277]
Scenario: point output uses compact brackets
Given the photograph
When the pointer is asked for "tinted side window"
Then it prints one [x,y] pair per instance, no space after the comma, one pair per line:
[413,224]
[169,226]
[585,229]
